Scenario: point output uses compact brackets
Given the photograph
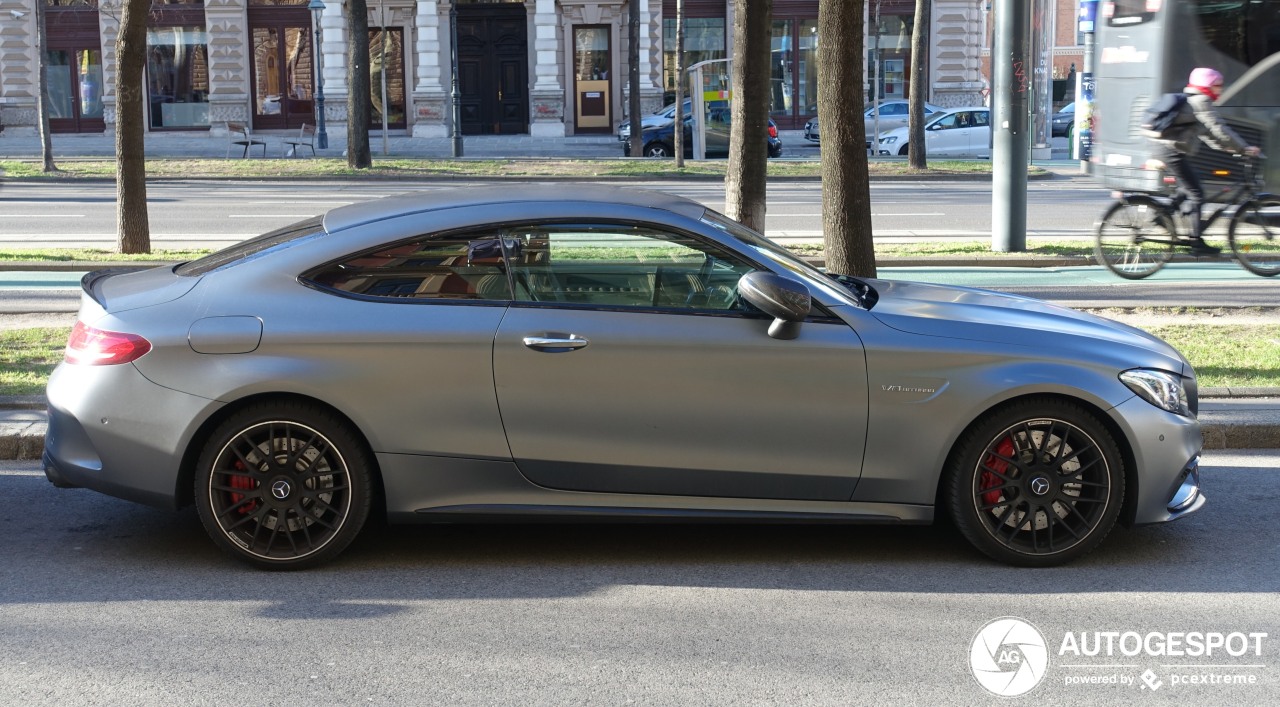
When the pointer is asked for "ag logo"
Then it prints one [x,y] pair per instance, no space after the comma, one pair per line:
[1008,657]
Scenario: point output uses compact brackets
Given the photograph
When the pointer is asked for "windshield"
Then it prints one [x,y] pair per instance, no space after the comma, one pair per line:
[777,255]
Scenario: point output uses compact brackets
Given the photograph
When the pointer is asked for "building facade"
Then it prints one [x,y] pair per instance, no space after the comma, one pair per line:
[536,67]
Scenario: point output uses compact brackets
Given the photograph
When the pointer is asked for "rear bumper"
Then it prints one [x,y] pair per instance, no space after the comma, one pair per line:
[113,431]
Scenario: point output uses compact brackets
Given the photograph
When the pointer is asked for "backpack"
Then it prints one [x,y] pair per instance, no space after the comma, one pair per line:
[1163,115]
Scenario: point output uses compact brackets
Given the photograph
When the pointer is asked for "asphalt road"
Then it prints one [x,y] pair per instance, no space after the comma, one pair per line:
[210,213]
[106,602]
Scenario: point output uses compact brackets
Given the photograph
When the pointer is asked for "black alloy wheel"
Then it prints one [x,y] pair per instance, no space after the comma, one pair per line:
[284,486]
[1038,483]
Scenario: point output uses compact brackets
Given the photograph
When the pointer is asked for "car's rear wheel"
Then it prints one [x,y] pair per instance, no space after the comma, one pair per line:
[658,149]
[1037,483]
[284,485]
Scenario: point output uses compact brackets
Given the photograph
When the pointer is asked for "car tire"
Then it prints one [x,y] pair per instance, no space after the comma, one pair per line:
[658,149]
[1037,483]
[284,485]
[904,150]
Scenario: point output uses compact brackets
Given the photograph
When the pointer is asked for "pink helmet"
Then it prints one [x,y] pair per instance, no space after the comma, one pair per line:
[1207,81]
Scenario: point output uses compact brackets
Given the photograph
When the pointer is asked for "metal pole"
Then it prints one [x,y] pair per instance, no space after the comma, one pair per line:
[322,137]
[456,130]
[1082,140]
[1011,78]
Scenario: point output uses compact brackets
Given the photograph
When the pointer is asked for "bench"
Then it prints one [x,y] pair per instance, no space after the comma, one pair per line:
[239,134]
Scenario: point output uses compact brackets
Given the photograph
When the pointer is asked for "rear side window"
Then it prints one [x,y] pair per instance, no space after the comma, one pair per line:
[245,250]
[447,267]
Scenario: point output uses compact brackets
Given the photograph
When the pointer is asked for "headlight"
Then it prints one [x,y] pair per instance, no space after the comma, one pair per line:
[1164,390]
[888,140]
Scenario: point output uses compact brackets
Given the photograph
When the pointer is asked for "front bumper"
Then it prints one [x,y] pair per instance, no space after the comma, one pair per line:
[1166,455]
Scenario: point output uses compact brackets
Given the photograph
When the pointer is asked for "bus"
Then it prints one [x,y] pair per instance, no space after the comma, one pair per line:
[1145,48]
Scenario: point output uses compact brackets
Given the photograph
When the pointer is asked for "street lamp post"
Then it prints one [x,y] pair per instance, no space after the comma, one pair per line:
[322,137]
[455,131]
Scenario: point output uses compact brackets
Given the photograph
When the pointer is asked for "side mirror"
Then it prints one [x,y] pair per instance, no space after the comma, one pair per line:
[787,301]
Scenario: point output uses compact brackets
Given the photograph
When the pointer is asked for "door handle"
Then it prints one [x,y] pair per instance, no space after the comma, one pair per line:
[555,344]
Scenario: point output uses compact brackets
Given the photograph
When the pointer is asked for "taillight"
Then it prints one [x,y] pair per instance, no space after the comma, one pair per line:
[96,347]
[1154,5]
[1108,9]
[773,131]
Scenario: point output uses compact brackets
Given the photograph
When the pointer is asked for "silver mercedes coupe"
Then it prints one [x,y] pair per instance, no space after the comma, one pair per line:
[595,352]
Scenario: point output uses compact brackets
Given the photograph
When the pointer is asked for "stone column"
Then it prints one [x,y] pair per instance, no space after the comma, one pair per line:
[431,93]
[17,68]
[227,22]
[547,99]
[650,56]
[109,28]
[333,40]
[955,64]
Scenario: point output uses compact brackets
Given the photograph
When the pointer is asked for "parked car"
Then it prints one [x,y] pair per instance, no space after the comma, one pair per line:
[1063,121]
[955,132]
[893,114]
[659,141]
[665,116]
[609,352]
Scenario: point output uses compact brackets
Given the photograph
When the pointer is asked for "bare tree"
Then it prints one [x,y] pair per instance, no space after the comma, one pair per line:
[359,97]
[42,87]
[745,179]
[846,194]
[678,135]
[132,228]
[916,156]
[633,77]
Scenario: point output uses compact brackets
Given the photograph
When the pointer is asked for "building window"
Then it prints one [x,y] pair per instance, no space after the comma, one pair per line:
[178,77]
[703,41]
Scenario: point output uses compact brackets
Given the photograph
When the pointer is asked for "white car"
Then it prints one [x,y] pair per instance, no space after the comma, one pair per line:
[893,114]
[955,132]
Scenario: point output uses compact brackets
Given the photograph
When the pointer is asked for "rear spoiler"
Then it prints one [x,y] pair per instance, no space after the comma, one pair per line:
[91,281]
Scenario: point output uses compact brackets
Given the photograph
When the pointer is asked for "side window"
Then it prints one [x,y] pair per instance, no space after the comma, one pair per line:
[622,266]
[895,109]
[946,123]
[436,268]
[981,118]
[964,120]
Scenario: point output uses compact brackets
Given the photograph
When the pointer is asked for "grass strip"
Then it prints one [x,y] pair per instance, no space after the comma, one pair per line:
[1224,355]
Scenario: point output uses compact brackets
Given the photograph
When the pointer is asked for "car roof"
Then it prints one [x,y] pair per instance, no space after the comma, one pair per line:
[352,215]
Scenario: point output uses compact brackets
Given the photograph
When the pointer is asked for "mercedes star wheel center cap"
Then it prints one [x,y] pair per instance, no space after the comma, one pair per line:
[1040,486]
[280,489]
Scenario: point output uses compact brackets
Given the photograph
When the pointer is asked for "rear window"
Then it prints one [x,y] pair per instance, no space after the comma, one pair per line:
[245,250]
[1130,12]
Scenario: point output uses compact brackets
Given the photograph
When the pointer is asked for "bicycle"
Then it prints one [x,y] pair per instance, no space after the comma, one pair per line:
[1138,234]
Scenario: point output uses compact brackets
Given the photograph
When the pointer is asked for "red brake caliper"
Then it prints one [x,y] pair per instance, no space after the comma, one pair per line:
[990,480]
[245,483]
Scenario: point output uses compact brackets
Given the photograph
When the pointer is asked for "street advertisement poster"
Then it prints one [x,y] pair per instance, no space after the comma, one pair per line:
[1082,135]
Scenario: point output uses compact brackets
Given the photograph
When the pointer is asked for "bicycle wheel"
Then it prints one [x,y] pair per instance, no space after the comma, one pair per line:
[1134,239]
[1255,235]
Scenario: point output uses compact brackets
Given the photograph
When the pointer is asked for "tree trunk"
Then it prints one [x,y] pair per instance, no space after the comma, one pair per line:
[359,86]
[748,157]
[42,89]
[678,135]
[633,77]
[132,229]
[846,194]
[916,152]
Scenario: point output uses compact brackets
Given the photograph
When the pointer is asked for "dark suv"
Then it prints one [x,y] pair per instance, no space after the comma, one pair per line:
[660,141]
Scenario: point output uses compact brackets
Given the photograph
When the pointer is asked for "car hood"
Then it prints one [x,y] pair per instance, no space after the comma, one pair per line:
[981,315]
[647,122]
[893,132]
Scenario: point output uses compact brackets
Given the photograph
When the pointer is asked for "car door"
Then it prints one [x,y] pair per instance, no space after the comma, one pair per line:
[980,136]
[628,365]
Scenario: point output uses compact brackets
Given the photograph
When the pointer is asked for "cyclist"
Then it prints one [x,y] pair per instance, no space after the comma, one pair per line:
[1182,140]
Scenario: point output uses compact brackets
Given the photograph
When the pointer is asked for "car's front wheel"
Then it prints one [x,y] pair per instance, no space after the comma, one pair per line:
[657,149]
[284,485]
[1037,483]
